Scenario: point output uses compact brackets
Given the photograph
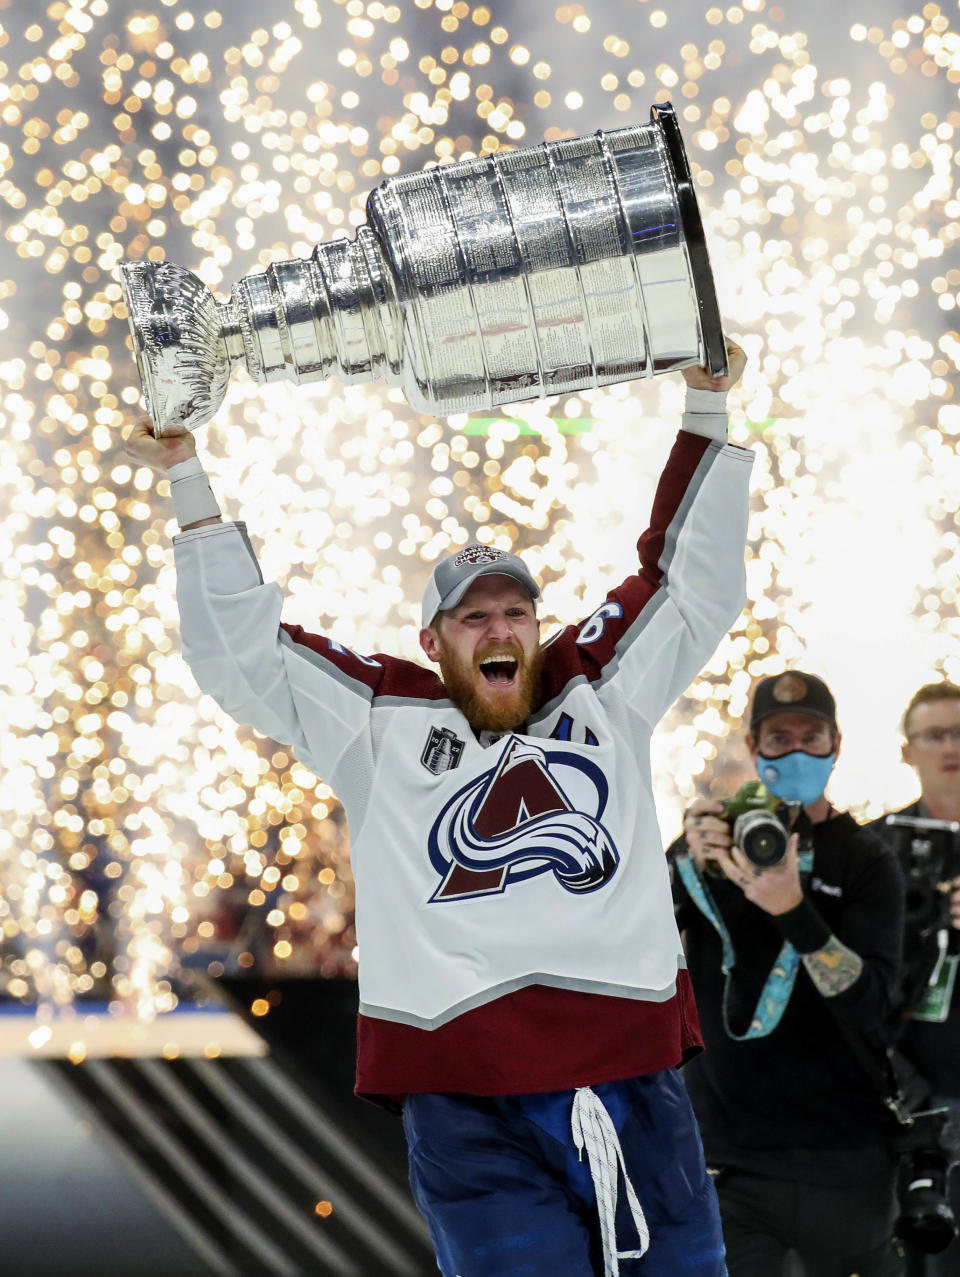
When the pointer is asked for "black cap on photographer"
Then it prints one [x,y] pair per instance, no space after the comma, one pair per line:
[793,693]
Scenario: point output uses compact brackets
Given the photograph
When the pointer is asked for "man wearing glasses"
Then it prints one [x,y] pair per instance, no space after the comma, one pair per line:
[931,1040]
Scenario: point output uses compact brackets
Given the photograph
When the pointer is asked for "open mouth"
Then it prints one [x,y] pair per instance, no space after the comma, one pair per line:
[499,671]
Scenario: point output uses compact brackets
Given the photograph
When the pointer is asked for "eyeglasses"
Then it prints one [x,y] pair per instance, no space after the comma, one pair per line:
[932,736]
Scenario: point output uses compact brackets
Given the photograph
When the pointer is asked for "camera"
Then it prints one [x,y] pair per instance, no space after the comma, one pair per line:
[925,1217]
[929,852]
[759,824]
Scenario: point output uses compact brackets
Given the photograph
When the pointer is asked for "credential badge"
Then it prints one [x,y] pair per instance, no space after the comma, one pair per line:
[442,751]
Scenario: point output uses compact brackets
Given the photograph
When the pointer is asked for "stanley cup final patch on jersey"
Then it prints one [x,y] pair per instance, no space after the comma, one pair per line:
[442,751]
[536,811]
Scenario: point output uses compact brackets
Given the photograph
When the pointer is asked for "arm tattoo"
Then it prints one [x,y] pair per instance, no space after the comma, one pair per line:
[833,968]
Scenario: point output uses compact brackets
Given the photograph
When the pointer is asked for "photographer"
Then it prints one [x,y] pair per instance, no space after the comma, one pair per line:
[930,1024]
[790,960]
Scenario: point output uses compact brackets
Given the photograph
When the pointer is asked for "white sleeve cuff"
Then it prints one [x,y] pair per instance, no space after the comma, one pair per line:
[184,469]
[705,413]
[193,497]
[711,401]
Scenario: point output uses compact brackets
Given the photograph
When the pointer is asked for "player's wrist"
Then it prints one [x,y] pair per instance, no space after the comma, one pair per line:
[184,469]
[705,401]
[201,523]
[193,500]
[705,413]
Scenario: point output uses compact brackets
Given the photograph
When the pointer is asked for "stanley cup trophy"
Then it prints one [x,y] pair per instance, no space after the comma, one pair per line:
[534,272]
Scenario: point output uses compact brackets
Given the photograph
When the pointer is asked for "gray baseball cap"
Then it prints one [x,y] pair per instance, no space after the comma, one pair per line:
[453,576]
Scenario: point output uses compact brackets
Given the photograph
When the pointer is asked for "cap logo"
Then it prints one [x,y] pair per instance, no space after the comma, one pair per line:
[478,554]
[790,688]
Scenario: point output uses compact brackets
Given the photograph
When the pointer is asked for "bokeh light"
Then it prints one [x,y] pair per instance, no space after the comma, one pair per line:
[142,832]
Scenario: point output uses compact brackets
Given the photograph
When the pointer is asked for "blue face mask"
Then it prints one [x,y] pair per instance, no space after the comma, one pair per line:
[797,777]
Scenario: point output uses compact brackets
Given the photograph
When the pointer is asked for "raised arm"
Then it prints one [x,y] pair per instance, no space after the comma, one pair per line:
[658,629]
[303,690]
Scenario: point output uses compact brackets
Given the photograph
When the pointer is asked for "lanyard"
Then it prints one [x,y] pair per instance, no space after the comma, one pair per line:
[779,983]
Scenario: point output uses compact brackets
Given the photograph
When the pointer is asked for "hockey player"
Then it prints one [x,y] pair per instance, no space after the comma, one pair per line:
[523,994]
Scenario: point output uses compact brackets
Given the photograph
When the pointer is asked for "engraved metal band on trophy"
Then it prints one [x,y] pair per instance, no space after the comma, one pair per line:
[535,272]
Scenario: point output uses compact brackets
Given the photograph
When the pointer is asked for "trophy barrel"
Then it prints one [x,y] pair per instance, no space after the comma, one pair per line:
[549,270]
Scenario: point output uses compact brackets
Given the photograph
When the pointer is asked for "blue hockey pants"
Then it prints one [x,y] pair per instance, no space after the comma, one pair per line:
[504,1193]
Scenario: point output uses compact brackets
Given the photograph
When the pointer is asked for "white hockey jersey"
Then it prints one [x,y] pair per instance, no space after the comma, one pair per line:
[504,890]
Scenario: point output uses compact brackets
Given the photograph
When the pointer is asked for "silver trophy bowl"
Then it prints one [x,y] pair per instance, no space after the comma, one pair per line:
[534,272]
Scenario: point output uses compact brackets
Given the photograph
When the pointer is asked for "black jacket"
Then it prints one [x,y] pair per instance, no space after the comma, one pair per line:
[801,1087]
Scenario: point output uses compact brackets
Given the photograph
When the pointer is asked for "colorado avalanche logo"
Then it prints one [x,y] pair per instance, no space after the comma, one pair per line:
[527,816]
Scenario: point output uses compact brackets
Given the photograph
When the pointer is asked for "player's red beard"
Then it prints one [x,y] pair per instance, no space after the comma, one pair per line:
[485,707]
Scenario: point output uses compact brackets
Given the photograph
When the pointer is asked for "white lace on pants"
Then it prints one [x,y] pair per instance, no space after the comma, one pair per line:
[593,1130]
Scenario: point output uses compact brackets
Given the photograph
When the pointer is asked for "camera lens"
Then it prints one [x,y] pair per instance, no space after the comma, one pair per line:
[761,838]
[926,1219]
